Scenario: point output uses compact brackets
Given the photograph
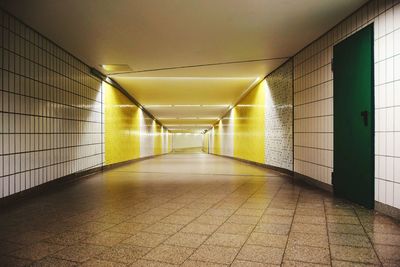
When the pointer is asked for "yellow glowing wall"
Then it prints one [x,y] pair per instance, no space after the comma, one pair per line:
[217,138]
[122,127]
[249,125]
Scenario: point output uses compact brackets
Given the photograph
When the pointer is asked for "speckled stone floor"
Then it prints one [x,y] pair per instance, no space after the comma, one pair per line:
[194,210]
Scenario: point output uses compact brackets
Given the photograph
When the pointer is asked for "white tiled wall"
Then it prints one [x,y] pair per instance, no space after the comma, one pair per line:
[50,110]
[313,99]
[227,134]
[279,117]
[146,135]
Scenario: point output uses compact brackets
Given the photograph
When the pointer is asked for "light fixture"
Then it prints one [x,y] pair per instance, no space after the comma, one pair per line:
[113,68]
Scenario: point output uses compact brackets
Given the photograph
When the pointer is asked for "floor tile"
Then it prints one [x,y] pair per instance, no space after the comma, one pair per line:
[178,219]
[279,229]
[364,255]
[215,254]
[123,253]
[163,228]
[307,254]
[79,252]
[37,251]
[342,219]
[186,240]
[241,219]
[309,219]
[309,228]
[191,263]
[269,240]
[169,254]
[102,263]
[385,239]
[388,254]
[234,228]
[349,240]
[147,263]
[276,219]
[287,263]
[128,227]
[281,212]
[226,240]
[106,238]
[68,238]
[345,228]
[208,219]
[261,254]
[50,262]
[198,228]
[308,239]
[143,239]
[92,227]
[8,261]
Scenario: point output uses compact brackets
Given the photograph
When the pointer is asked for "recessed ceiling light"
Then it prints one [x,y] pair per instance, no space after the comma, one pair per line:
[114,68]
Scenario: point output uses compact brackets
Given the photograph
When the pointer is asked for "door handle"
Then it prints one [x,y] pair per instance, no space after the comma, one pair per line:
[364,114]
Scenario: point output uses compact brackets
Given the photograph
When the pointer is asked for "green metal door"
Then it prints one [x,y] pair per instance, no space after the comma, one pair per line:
[353,176]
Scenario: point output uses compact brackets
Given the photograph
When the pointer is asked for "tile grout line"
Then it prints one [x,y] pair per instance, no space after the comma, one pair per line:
[240,249]
[327,232]
[370,240]
[291,225]
[194,249]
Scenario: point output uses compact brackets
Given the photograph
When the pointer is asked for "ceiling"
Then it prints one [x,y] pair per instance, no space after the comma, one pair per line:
[203,54]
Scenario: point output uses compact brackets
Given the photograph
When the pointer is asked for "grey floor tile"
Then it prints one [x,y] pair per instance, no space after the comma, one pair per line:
[261,254]
[215,254]
[123,253]
[307,254]
[345,253]
[189,240]
[143,239]
[269,240]
[169,254]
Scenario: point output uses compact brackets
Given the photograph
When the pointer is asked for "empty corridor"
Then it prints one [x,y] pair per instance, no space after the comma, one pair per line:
[193,210]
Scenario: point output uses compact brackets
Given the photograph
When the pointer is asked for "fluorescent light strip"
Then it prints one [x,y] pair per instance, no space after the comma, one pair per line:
[186,78]
[178,106]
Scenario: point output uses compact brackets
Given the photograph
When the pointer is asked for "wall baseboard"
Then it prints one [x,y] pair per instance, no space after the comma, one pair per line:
[266,166]
[311,181]
[16,198]
[119,164]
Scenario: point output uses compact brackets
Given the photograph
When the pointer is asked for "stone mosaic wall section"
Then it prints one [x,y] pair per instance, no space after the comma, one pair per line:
[279,117]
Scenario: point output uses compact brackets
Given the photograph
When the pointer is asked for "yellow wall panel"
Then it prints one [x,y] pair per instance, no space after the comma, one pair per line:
[249,125]
[217,138]
[122,127]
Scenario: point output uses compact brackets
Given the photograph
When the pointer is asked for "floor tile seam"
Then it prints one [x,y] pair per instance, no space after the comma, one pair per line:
[53,254]
[219,226]
[258,222]
[194,250]
[290,228]
[370,240]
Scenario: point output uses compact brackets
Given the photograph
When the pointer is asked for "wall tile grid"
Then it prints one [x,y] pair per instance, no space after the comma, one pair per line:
[50,111]
[227,134]
[279,117]
[313,100]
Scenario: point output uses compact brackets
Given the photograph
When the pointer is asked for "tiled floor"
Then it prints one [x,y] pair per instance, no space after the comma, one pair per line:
[194,210]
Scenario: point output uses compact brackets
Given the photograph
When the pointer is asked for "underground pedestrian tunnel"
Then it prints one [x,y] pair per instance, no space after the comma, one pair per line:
[200,133]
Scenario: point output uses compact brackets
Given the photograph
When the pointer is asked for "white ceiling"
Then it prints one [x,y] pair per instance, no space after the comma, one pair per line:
[157,34]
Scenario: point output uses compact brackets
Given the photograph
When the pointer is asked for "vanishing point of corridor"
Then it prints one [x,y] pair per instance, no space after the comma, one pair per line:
[194,210]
